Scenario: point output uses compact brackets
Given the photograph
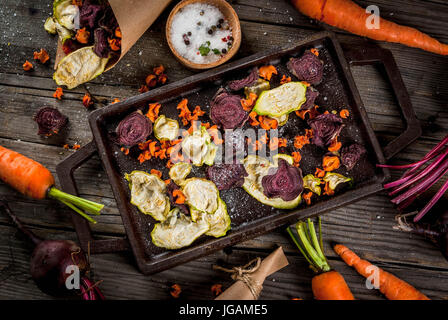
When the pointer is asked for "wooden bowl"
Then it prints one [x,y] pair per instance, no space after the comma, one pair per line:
[231,17]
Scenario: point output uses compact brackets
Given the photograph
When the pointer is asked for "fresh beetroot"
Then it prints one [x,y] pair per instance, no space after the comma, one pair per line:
[51,261]
[436,232]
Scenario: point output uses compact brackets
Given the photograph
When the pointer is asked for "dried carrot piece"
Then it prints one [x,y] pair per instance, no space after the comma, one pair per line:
[158,70]
[257,145]
[285,79]
[185,113]
[307,197]
[153,111]
[42,56]
[307,84]
[327,190]
[161,154]
[312,113]
[266,72]
[169,164]
[114,44]
[315,52]
[82,36]
[179,196]
[214,133]
[144,88]
[77,3]
[175,291]
[344,113]
[297,157]
[319,173]
[282,142]
[125,150]
[206,125]
[66,146]
[115,101]
[300,141]
[58,93]
[167,181]
[76,146]
[151,81]
[156,173]
[309,133]
[118,32]
[87,100]
[27,66]
[198,111]
[248,104]
[161,79]
[253,119]
[153,148]
[216,289]
[335,145]
[273,143]
[330,163]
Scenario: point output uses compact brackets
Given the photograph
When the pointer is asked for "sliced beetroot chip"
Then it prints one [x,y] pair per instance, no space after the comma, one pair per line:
[50,121]
[226,110]
[107,20]
[307,68]
[227,176]
[133,129]
[284,182]
[246,82]
[89,13]
[101,46]
[311,94]
[351,155]
[325,127]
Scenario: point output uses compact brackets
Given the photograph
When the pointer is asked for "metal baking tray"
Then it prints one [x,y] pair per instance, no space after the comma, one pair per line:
[249,217]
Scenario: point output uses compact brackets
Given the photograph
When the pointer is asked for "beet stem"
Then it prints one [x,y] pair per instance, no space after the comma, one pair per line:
[34,238]
[432,202]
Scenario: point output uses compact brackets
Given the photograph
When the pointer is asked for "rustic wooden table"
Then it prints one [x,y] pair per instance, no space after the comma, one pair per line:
[365,226]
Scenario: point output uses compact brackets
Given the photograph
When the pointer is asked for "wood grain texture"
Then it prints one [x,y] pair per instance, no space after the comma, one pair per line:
[365,226]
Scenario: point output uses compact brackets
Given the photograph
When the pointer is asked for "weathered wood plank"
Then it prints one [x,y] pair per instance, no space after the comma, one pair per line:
[195,277]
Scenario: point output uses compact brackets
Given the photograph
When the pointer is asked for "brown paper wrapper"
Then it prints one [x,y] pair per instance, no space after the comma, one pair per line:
[271,264]
[134,17]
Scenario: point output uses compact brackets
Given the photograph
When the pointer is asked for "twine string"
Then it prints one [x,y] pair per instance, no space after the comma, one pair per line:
[243,274]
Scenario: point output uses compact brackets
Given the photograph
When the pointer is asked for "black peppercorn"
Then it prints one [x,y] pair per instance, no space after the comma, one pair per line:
[221,21]
[210,31]
[189,33]
[224,50]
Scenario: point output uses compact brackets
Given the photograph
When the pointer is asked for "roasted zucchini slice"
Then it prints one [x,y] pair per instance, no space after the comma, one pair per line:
[166,128]
[201,194]
[148,194]
[177,231]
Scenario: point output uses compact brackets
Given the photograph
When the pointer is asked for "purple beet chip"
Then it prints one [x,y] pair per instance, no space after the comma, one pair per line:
[307,68]
[50,121]
[227,176]
[283,182]
[226,110]
[351,155]
[325,127]
[311,94]
[236,85]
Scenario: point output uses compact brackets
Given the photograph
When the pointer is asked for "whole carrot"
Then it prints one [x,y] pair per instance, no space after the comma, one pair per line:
[35,181]
[347,15]
[327,284]
[391,286]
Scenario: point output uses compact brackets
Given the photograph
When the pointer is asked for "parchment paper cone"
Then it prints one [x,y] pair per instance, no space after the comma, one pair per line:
[271,264]
[134,18]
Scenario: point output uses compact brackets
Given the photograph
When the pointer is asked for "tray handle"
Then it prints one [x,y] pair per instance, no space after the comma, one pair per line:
[372,54]
[65,171]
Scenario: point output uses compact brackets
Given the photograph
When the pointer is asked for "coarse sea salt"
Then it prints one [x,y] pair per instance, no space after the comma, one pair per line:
[200,33]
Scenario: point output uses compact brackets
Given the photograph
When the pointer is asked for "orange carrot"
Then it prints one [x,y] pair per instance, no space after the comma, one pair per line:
[285,79]
[335,145]
[153,111]
[266,72]
[344,113]
[307,197]
[179,196]
[297,157]
[34,180]
[58,93]
[319,173]
[300,141]
[330,163]
[114,44]
[87,100]
[249,103]
[327,284]
[82,36]
[118,32]
[27,66]
[391,286]
[315,52]
[42,56]
[347,15]
[156,173]
[151,81]
[158,70]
